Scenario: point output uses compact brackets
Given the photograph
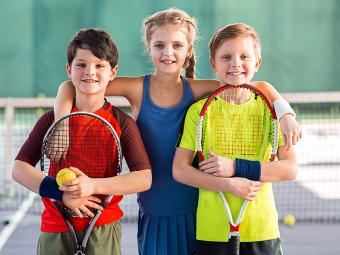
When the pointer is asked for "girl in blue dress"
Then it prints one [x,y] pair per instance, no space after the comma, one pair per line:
[159,101]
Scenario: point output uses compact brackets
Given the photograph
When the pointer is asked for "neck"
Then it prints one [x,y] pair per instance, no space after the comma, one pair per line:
[166,80]
[89,103]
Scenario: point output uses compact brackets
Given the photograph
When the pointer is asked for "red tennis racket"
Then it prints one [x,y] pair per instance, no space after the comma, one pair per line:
[93,147]
[237,122]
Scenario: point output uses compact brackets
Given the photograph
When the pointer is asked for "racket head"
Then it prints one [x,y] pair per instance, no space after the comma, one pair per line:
[241,119]
[92,145]
[237,122]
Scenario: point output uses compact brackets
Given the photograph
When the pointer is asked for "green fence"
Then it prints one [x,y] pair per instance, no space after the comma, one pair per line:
[299,39]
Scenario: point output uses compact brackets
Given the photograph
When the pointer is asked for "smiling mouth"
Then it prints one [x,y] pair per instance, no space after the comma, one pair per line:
[89,81]
[168,62]
[235,73]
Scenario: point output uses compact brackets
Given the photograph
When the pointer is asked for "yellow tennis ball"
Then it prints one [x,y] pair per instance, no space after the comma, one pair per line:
[289,220]
[65,174]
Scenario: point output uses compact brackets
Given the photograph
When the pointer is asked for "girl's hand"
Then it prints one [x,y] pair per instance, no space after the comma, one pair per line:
[291,130]
[82,186]
[244,188]
[82,206]
[218,166]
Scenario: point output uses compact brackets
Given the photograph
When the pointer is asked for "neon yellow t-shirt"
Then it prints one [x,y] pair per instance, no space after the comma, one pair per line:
[260,220]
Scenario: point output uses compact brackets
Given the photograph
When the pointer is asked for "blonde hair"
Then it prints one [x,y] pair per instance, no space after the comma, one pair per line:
[173,16]
[233,31]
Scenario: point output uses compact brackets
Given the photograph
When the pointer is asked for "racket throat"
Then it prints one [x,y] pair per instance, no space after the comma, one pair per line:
[234,231]
[80,250]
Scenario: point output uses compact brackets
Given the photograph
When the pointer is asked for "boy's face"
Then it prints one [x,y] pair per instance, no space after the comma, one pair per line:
[168,48]
[89,74]
[235,62]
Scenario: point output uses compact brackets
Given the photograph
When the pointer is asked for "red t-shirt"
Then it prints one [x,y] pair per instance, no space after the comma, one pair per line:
[132,148]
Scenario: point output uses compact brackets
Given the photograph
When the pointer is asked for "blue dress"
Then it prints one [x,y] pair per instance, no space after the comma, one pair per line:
[167,214]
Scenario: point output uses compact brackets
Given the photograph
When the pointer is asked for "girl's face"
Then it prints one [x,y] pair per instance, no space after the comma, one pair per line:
[168,48]
[235,62]
[89,74]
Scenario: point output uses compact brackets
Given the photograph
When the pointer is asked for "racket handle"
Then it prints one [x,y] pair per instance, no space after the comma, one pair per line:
[234,245]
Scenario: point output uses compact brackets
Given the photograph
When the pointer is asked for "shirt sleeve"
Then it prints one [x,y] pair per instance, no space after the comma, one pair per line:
[188,140]
[133,148]
[31,149]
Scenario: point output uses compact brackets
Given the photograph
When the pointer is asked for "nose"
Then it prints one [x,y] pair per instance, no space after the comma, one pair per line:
[90,70]
[168,51]
[236,62]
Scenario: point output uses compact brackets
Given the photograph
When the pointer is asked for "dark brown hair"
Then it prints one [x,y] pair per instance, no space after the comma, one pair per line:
[97,41]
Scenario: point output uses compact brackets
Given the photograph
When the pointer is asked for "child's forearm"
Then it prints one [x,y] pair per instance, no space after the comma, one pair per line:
[285,168]
[64,99]
[132,182]
[27,175]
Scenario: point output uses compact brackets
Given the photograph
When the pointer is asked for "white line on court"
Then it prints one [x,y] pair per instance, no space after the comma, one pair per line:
[16,219]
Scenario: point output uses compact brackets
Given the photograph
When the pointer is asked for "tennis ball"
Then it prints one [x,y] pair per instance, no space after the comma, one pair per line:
[289,220]
[65,174]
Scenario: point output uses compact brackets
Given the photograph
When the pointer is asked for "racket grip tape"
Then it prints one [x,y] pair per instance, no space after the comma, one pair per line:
[234,245]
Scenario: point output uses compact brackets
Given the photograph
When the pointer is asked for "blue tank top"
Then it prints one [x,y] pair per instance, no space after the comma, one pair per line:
[160,129]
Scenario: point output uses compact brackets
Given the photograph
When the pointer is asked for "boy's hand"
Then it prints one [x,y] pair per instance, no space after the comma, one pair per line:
[82,186]
[82,206]
[218,166]
[244,188]
[291,130]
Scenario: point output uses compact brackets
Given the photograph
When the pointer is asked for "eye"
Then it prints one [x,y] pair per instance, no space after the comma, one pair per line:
[226,57]
[80,65]
[100,66]
[245,57]
[159,45]
[177,45]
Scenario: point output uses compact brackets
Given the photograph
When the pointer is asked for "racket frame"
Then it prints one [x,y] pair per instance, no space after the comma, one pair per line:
[80,245]
[234,234]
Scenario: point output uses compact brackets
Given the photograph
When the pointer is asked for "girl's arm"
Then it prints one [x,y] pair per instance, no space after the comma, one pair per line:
[185,173]
[129,87]
[290,128]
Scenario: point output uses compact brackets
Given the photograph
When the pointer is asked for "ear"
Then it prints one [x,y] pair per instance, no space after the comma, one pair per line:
[68,71]
[213,65]
[258,64]
[113,72]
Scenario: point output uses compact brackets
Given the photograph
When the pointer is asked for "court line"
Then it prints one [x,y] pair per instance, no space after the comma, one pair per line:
[16,219]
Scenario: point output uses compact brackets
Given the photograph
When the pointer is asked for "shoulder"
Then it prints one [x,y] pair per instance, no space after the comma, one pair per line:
[201,88]
[45,120]
[261,84]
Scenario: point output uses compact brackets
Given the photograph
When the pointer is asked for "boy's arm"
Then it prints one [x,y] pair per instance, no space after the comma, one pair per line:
[82,186]
[185,173]
[27,175]
[285,168]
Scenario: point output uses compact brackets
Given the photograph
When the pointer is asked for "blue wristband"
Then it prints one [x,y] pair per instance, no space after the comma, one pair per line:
[248,169]
[49,188]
